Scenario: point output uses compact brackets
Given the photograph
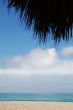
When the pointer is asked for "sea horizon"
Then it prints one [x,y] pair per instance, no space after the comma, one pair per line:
[48,97]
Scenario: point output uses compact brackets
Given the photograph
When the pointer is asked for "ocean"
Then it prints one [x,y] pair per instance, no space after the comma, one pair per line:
[36,97]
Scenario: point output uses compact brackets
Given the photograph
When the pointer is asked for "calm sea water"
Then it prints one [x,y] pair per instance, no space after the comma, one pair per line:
[36,97]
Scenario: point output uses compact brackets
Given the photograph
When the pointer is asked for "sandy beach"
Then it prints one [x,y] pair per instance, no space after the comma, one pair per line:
[36,106]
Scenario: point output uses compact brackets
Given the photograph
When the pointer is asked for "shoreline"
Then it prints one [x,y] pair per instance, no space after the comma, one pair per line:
[32,105]
[36,101]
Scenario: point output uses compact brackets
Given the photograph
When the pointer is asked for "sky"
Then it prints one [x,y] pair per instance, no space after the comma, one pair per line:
[29,67]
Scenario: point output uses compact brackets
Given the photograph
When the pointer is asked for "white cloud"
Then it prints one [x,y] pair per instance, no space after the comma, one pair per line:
[40,61]
[67,52]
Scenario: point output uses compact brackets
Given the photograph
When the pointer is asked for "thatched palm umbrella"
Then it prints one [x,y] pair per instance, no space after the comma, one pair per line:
[46,16]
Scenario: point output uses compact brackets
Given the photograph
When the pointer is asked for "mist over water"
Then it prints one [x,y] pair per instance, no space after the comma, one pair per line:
[36,83]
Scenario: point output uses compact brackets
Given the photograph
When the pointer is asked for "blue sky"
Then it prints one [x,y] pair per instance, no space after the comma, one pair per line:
[16,39]
[32,66]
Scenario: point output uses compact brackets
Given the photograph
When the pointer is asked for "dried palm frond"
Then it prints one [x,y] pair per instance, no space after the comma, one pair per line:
[46,16]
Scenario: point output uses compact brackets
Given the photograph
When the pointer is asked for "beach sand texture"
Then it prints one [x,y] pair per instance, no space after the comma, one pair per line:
[36,106]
